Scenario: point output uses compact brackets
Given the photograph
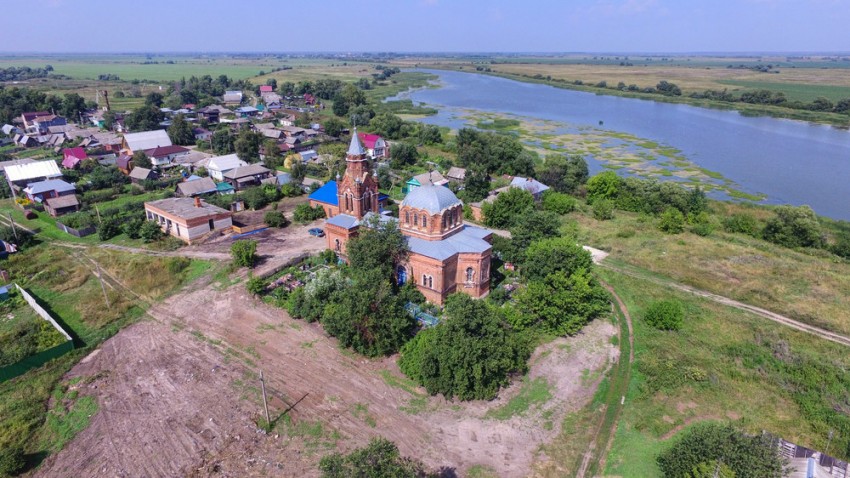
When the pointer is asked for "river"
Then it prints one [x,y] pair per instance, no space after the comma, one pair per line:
[789,162]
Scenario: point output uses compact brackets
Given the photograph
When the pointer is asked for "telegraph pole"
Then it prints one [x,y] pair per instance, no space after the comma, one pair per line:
[265,402]
[14,230]
[102,287]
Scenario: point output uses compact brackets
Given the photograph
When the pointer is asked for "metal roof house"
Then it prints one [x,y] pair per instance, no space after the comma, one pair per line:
[219,165]
[22,174]
[146,140]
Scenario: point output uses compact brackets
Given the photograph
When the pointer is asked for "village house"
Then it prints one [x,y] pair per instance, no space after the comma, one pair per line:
[247,112]
[232,97]
[218,165]
[456,174]
[202,134]
[430,178]
[188,219]
[164,156]
[57,196]
[124,163]
[376,147]
[40,124]
[72,157]
[196,187]
[246,176]
[12,162]
[145,140]
[287,119]
[446,255]
[533,186]
[139,175]
[20,175]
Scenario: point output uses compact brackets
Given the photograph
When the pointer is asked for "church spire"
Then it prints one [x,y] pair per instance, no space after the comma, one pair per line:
[355,148]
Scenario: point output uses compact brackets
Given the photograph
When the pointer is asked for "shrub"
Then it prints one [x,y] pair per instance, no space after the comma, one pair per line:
[508,208]
[794,227]
[603,209]
[672,221]
[23,239]
[132,228]
[150,231]
[560,304]
[256,285]
[12,461]
[304,213]
[558,202]
[275,219]
[244,253]
[380,458]
[558,254]
[665,315]
[703,224]
[746,456]
[742,223]
[291,190]
[109,228]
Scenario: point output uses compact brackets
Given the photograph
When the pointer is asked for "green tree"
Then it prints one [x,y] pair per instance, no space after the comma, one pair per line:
[471,354]
[72,106]
[275,219]
[144,118]
[367,316]
[150,231]
[403,154]
[559,203]
[222,141]
[380,246]
[604,185]
[603,209]
[794,227]
[508,208]
[333,127]
[552,255]
[141,160]
[746,456]
[388,125]
[560,304]
[665,315]
[379,459]
[672,221]
[298,172]
[244,253]
[180,131]
[742,223]
[247,145]
[476,184]
[154,99]
[533,226]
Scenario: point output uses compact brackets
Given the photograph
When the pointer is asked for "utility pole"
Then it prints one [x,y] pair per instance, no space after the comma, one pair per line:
[828,442]
[102,287]
[98,214]
[14,230]
[265,402]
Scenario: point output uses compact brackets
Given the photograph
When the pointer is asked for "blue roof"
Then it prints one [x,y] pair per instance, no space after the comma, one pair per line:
[50,185]
[221,187]
[382,197]
[326,194]
[469,239]
[192,178]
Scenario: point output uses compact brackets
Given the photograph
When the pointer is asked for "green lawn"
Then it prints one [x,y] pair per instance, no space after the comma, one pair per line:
[724,365]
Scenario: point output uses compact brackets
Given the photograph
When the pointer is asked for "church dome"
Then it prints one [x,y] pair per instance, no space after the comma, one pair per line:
[434,199]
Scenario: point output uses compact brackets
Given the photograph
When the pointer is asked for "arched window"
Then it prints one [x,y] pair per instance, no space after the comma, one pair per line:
[337,245]
[424,280]
[424,220]
[407,217]
[430,282]
[415,219]
[401,274]
[445,221]
[457,215]
[470,274]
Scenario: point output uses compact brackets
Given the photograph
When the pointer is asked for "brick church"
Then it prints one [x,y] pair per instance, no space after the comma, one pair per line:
[446,255]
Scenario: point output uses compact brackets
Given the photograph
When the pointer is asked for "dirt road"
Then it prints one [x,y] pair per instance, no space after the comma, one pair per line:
[178,396]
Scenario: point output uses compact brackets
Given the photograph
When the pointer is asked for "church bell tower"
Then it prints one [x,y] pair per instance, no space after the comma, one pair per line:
[357,191]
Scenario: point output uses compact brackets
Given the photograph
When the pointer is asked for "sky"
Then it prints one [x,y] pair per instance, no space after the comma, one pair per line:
[611,26]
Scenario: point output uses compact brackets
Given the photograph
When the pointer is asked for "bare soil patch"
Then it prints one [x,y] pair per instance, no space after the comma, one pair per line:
[178,395]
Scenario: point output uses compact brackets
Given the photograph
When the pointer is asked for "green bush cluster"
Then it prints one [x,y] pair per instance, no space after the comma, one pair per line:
[304,213]
[665,315]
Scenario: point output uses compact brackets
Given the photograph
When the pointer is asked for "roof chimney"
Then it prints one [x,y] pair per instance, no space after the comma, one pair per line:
[197,201]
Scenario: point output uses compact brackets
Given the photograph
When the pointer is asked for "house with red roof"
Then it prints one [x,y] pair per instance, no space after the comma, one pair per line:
[72,157]
[375,145]
[266,89]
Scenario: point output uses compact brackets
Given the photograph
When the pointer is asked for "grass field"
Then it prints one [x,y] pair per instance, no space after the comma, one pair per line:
[809,288]
[130,67]
[723,365]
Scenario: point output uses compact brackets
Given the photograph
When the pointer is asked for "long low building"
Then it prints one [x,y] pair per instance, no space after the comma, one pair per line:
[188,219]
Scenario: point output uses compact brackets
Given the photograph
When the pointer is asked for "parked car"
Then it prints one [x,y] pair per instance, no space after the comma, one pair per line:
[317,232]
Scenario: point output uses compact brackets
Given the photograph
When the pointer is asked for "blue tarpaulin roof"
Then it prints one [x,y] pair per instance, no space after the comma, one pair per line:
[326,194]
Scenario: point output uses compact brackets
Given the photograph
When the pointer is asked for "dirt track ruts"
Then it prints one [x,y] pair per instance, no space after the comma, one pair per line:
[773,316]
